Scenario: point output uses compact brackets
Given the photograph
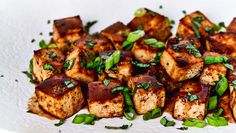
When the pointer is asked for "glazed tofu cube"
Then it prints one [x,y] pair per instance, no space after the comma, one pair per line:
[198,20]
[77,60]
[144,53]
[232,26]
[210,73]
[231,80]
[147,99]
[102,102]
[66,31]
[222,43]
[191,101]
[224,103]
[116,33]
[179,60]
[159,72]
[96,43]
[122,70]
[60,96]
[47,62]
[154,25]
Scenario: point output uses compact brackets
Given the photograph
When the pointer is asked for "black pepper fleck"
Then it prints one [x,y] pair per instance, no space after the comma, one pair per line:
[40,33]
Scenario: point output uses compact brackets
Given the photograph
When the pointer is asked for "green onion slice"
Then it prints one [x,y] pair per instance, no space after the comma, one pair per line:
[192,122]
[154,43]
[140,12]
[221,86]
[215,59]
[212,103]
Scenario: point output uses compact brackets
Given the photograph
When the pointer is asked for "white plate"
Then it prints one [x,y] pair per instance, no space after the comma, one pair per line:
[22,20]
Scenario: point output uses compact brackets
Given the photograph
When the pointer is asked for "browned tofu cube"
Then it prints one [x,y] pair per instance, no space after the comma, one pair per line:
[191,101]
[76,67]
[122,70]
[232,87]
[232,26]
[159,72]
[66,31]
[144,53]
[60,96]
[102,102]
[224,103]
[211,72]
[222,43]
[47,62]
[96,43]
[182,59]
[154,25]
[148,93]
[198,20]
[116,33]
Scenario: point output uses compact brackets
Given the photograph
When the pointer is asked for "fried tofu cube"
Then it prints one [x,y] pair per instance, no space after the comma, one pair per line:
[231,80]
[47,62]
[66,31]
[122,70]
[224,103]
[60,96]
[210,73]
[159,72]
[188,107]
[77,61]
[153,24]
[179,61]
[204,25]
[232,26]
[102,102]
[96,43]
[222,43]
[144,53]
[147,99]
[116,33]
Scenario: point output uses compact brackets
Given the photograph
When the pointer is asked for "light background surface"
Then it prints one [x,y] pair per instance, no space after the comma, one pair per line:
[22,20]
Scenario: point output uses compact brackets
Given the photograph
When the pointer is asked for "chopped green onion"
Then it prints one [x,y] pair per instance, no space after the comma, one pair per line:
[215,59]
[191,97]
[84,118]
[90,55]
[43,44]
[216,121]
[192,122]
[140,12]
[152,114]
[193,50]
[59,123]
[129,113]
[154,43]
[221,86]
[90,44]
[157,58]
[69,84]
[182,128]
[222,24]
[53,45]
[88,25]
[197,33]
[197,21]
[112,60]
[30,76]
[176,47]
[48,67]
[229,66]
[52,55]
[128,100]
[106,82]
[166,122]
[120,127]
[69,64]
[209,30]
[136,63]
[118,88]
[135,35]
[212,103]
[218,112]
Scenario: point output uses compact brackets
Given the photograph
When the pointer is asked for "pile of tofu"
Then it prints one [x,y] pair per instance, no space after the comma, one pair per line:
[68,85]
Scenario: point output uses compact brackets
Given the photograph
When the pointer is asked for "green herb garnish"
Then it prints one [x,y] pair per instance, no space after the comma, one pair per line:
[69,84]
[119,127]
[216,121]
[229,66]
[59,123]
[132,37]
[192,122]
[193,50]
[84,118]
[88,25]
[166,122]
[140,12]
[221,86]
[69,64]
[191,97]
[182,128]
[154,43]
[106,82]
[152,114]
[215,59]
[112,60]
[52,55]
[90,44]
